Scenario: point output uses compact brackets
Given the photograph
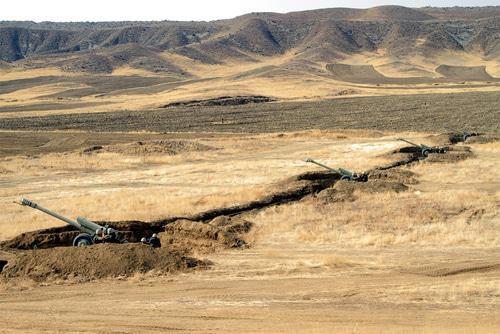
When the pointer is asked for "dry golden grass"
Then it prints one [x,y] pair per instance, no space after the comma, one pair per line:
[311,264]
[21,73]
[457,206]
[111,186]
[282,83]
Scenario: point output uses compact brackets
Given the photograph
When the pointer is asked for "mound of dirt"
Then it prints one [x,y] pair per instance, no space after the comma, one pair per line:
[131,231]
[222,101]
[481,139]
[194,236]
[52,237]
[348,191]
[394,175]
[98,261]
[475,73]
[168,147]
[455,153]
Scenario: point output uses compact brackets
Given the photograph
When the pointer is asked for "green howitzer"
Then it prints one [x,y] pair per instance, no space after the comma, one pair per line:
[89,230]
[424,149]
[344,173]
[461,135]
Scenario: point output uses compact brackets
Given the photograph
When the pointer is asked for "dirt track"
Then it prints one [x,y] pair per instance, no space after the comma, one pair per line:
[270,290]
[477,111]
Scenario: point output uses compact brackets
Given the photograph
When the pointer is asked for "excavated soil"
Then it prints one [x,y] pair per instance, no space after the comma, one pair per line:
[198,237]
[385,180]
[349,191]
[222,101]
[455,153]
[168,147]
[98,261]
[394,175]
[481,139]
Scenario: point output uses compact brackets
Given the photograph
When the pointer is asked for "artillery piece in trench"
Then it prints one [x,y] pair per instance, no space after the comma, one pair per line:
[460,136]
[344,173]
[424,150]
[89,230]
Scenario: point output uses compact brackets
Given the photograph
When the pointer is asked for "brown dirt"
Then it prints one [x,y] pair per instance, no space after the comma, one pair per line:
[48,238]
[394,175]
[222,101]
[455,153]
[198,237]
[168,147]
[348,191]
[422,112]
[409,154]
[481,139]
[98,261]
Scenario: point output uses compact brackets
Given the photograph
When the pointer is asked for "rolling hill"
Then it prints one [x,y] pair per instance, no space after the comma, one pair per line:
[319,34]
[300,55]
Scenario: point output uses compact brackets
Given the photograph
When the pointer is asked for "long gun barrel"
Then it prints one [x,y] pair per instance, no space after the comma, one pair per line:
[344,173]
[324,166]
[33,205]
[81,223]
[409,142]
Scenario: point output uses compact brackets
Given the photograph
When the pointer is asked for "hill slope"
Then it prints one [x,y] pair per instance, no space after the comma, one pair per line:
[321,34]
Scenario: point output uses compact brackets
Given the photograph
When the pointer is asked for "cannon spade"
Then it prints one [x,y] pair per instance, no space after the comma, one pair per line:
[89,230]
[425,150]
[344,173]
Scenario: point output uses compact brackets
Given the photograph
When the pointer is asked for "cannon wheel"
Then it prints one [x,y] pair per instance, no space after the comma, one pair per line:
[466,137]
[425,153]
[346,178]
[82,240]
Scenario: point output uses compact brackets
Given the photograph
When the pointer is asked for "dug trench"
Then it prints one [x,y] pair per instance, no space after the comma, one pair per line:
[46,255]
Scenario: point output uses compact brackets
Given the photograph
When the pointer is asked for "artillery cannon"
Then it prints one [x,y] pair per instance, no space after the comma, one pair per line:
[88,229]
[344,173]
[460,136]
[424,149]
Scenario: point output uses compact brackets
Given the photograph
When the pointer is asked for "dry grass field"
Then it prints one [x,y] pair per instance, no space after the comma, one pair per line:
[49,91]
[357,259]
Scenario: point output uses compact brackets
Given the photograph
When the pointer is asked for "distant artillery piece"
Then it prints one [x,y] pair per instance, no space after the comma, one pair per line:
[89,230]
[460,136]
[425,150]
[344,173]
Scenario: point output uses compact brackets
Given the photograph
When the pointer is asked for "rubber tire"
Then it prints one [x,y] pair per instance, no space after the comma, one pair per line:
[425,153]
[82,240]
[345,178]
[466,137]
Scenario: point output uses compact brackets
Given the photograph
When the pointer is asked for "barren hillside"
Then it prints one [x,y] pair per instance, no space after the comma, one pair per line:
[82,67]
